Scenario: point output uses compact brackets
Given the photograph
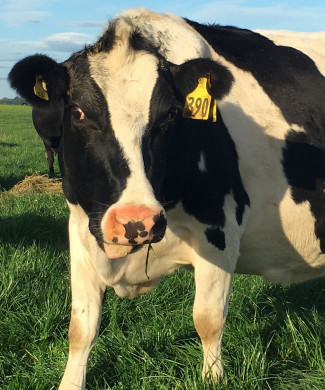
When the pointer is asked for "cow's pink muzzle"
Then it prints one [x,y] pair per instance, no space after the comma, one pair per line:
[132,225]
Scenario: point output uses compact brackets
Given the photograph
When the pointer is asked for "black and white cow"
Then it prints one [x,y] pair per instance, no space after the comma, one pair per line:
[244,193]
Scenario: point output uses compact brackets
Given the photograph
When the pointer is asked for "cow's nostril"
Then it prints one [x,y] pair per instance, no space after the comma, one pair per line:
[131,231]
[139,226]
[159,227]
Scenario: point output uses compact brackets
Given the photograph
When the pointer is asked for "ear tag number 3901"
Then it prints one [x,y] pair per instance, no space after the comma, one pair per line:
[199,104]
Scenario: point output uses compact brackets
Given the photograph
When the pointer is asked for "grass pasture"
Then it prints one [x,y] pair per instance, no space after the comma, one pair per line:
[274,336]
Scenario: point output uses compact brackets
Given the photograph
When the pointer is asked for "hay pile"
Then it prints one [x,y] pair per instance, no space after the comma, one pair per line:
[38,183]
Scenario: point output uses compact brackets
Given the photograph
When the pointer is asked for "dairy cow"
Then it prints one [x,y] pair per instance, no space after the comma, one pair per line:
[205,142]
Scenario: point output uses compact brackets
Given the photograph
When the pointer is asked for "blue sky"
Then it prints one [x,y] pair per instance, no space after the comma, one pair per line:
[60,27]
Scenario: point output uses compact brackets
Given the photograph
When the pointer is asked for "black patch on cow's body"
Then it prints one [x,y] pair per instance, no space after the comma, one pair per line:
[304,166]
[202,194]
[216,237]
[293,82]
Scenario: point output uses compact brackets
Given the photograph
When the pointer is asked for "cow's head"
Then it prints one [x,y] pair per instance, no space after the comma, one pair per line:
[120,100]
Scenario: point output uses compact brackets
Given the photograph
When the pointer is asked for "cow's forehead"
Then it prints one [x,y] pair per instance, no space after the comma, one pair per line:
[127,78]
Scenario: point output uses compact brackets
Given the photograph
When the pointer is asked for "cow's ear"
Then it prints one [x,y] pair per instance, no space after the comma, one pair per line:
[187,75]
[38,79]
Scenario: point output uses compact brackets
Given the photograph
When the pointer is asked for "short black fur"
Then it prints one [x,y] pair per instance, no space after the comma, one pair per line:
[203,193]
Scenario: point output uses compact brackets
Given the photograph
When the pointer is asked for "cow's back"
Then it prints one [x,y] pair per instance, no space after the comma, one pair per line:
[310,43]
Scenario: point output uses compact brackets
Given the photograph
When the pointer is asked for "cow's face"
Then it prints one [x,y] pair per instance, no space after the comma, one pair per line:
[120,101]
[113,143]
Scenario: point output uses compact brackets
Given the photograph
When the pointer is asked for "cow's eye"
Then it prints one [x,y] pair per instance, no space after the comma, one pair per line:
[78,113]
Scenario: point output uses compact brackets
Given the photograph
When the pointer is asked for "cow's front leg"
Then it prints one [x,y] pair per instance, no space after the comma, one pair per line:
[210,312]
[87,296]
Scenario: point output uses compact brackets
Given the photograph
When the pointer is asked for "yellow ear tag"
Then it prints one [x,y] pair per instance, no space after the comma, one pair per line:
[199,104]
[40,88]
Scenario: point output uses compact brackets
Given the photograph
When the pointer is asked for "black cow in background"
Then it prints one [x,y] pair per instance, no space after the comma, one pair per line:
[47,120]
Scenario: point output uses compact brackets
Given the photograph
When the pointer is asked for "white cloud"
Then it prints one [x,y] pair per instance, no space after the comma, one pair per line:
[84,24]
[63,43]
[66,42]
[18,12]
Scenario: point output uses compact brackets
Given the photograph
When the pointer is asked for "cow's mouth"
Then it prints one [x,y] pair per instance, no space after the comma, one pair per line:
[117,251]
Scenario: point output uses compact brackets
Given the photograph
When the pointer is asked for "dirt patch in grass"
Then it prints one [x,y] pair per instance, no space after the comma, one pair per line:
[38,183]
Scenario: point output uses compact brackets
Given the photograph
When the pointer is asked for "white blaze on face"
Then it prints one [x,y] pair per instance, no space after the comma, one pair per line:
[127,79]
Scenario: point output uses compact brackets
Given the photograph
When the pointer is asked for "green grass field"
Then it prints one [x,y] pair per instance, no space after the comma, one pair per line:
[274,336]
